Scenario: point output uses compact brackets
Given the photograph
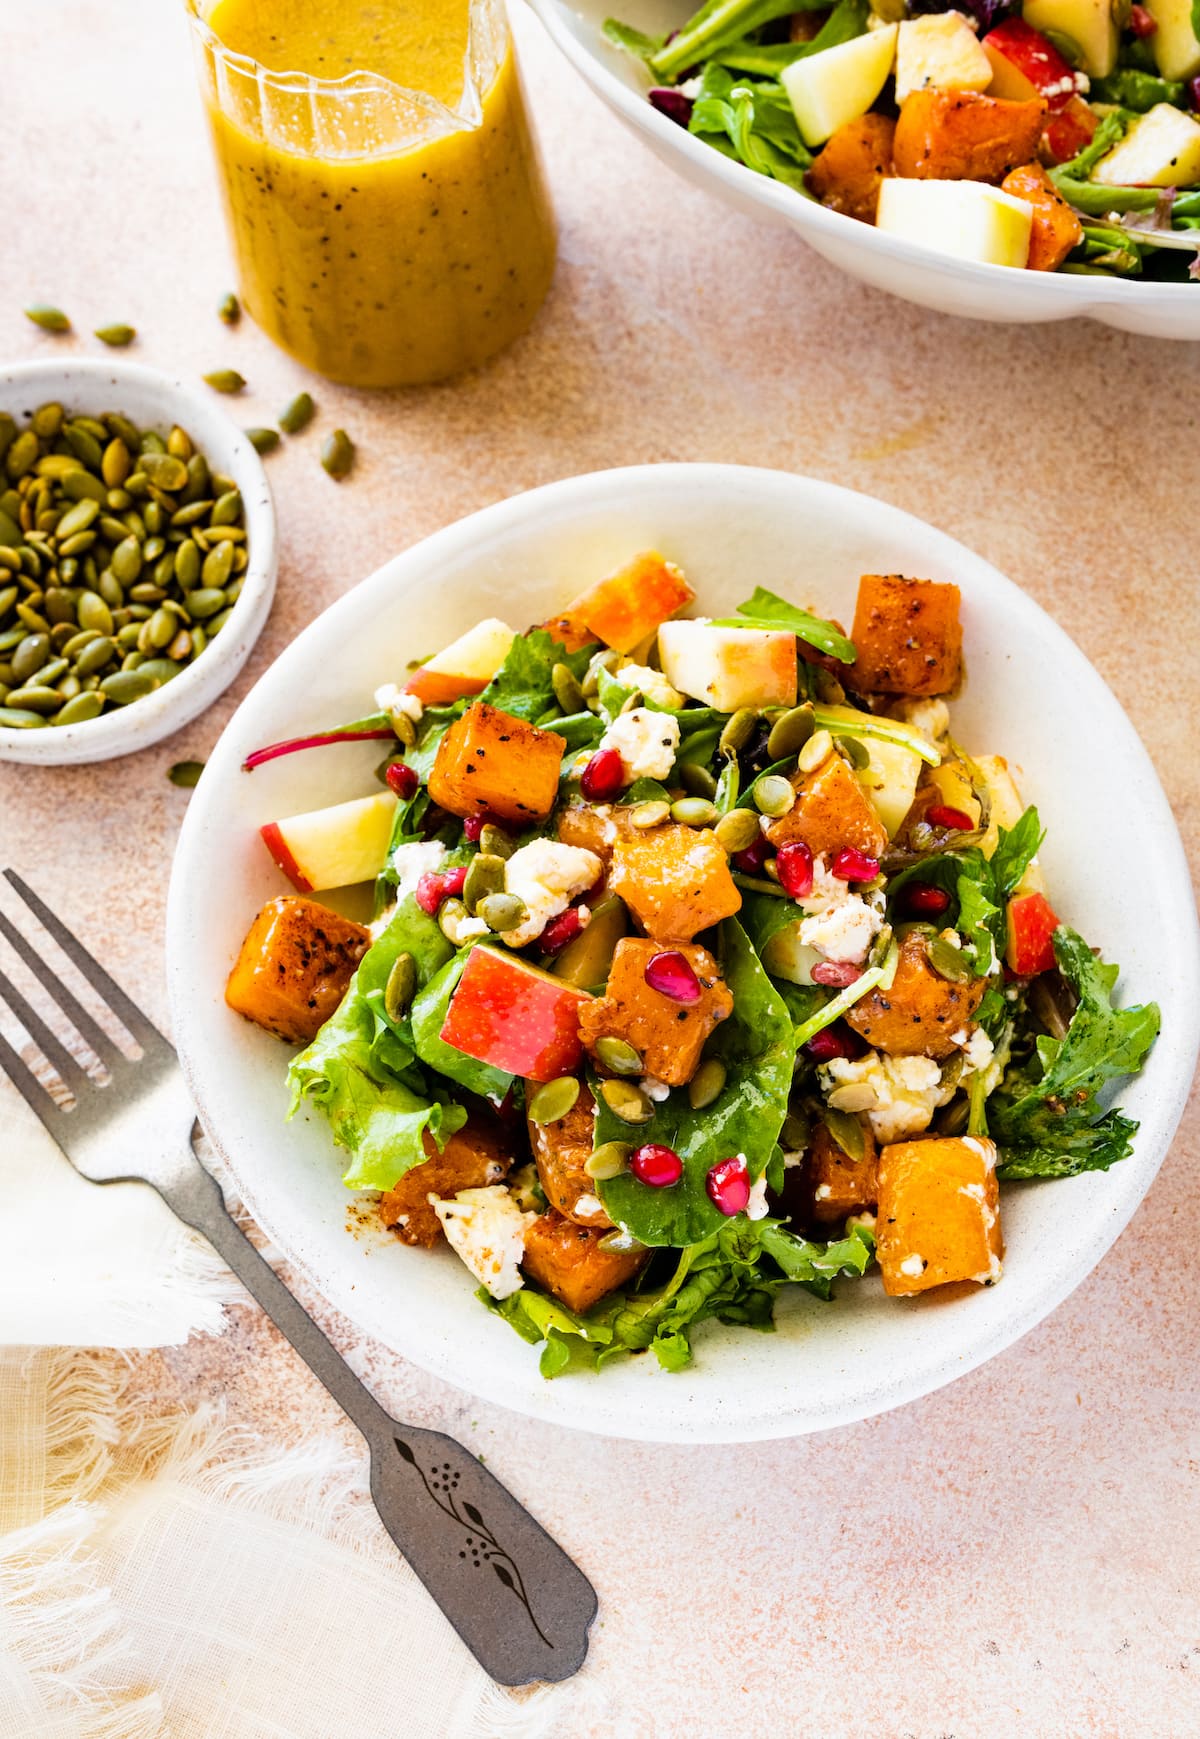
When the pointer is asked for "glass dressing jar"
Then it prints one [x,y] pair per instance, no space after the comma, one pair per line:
[384,236]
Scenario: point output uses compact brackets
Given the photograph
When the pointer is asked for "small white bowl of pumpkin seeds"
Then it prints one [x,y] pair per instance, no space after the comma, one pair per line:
[137,557]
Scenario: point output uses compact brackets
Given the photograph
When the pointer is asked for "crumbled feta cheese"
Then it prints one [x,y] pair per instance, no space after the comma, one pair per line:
[865,1219]
[486,1228]
[899,1094]
[652,683]
[930,717]
[823,1192]
[756,1207]
[840,924]
[913,1266]
[415,859]
[792,1156]
[380,924]
[654,1089]
[391,699]
[588,1207]
[469,930]
[547,875]
[646,742]
[978,1050]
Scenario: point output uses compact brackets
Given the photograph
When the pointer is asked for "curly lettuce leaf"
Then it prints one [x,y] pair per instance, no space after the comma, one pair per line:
[523,685]
[753,122]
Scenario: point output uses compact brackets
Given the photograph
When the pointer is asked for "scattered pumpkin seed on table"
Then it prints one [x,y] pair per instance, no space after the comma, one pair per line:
[121,555]
[225,380]
[184,773]
[297,414]
[48,318]
[263,440]
[337,454]
[229,309]
[116,336]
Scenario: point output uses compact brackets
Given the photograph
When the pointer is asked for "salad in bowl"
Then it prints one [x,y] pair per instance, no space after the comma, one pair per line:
[1048,135]
[707,963]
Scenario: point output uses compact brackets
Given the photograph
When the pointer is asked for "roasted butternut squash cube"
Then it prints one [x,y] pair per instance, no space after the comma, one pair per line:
[831,812]
[567,1260]
[675,880]
[964,136]
[847,174]
[489,760]
[919,1014]
[596,826]
[628,606]
[668,1035]
[476,1155]
[907,635]
[561,1150]
[1056,228]
[293,969]
[839,1185]
[571,632]
[939,1214]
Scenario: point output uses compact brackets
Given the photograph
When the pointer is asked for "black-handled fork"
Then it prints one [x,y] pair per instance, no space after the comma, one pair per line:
[519,1603]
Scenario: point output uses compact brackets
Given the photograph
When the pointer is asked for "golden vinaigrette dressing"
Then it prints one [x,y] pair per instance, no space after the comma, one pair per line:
[381,261]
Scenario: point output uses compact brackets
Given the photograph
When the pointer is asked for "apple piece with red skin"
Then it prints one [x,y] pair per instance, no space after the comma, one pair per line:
[463,668]
[334,847]
[1065,134]
[515,1017]
[1031,926]
[1026,64]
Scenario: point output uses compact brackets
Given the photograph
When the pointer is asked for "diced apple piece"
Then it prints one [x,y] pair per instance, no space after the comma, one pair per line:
[953,789]
[1006,809]
[464,667]
[969,220]
[940,50]
[889,780]
[1176,49]
[1090,24]
[1161,149]
[515,1017]
[1026,64]
[626,607]
[335,847]
[785,956]
[1067,133]
[1031,924]
[729,667]
[837,85]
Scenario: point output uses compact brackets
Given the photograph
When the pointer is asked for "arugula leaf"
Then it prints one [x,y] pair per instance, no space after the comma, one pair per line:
[523,686]
[1130,88]
[634,42]
[1016,849]
[360,1070]
[717,22]
[755,1044]
[427,1018]
[1046,1116]
[848,19]
[980,886]
[980,919]
[757,120]
[766,610]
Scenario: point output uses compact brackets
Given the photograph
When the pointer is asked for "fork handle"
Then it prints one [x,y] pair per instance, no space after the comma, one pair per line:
[516,1599]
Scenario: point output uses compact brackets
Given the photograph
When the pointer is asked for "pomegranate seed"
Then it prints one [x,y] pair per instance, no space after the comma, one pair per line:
[656,1165]
[436,886]
[853,865]
[453,882]
[675,106]
[751,860]
[472,828]
[836,973]
[603,776]
[402,780]
[924,900]
[1141,22]
[563,929]
[671,975]
[728,1185]
[837,1040]
[1193,91]
[942,815]
[795,865]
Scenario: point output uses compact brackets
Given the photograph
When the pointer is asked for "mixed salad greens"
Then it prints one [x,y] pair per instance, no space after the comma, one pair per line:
[706,964]
[1068,127]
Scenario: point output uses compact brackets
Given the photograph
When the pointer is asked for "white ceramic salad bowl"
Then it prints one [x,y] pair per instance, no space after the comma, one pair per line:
[978,292]
[1030,695]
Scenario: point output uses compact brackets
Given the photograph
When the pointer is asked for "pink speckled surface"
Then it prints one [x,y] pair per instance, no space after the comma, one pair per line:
[1017,1555]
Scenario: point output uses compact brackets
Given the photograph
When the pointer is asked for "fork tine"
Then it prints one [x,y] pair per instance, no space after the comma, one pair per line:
[69,1067]
[147,1035]
[108,1052]
[36,1096]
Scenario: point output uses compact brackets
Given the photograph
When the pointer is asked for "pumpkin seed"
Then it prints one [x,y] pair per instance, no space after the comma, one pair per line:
[773,795]
[22,455]
[847,1131]
[161,629]
[217,622]
[706,1084]
[75,645]
[337,454]
[50,674]
[854,752]
[818,748]
[218,565]
[95,656]
[619,1055]
[229,309]
[80,709]
[401,987]
[626,1101]
[179,443]
[47,420]
[606,659]
[35,699]
[502,912]
[17,719]
[48,318]
[110,589]
[567,691]
[165,471]
[126,562]
[738,830]
[8,597]
[181,647]
[739,728]
[59,606]
[485,876]
[77,518]
[187,565]
[947,960]
[694,811]
[29,656]
[83,444]
[797,1127]
[494,842]
[33,619]
[402,725]
[226,380]
[227,509]
[651,814]
[262,440]
[696,780]
[204,602]
[790,732]
[551,1102]
[160,670]
[607,1161]
[117,335]
[124,686]
[297,414]
[451,914]
[92,612]
[80,485]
